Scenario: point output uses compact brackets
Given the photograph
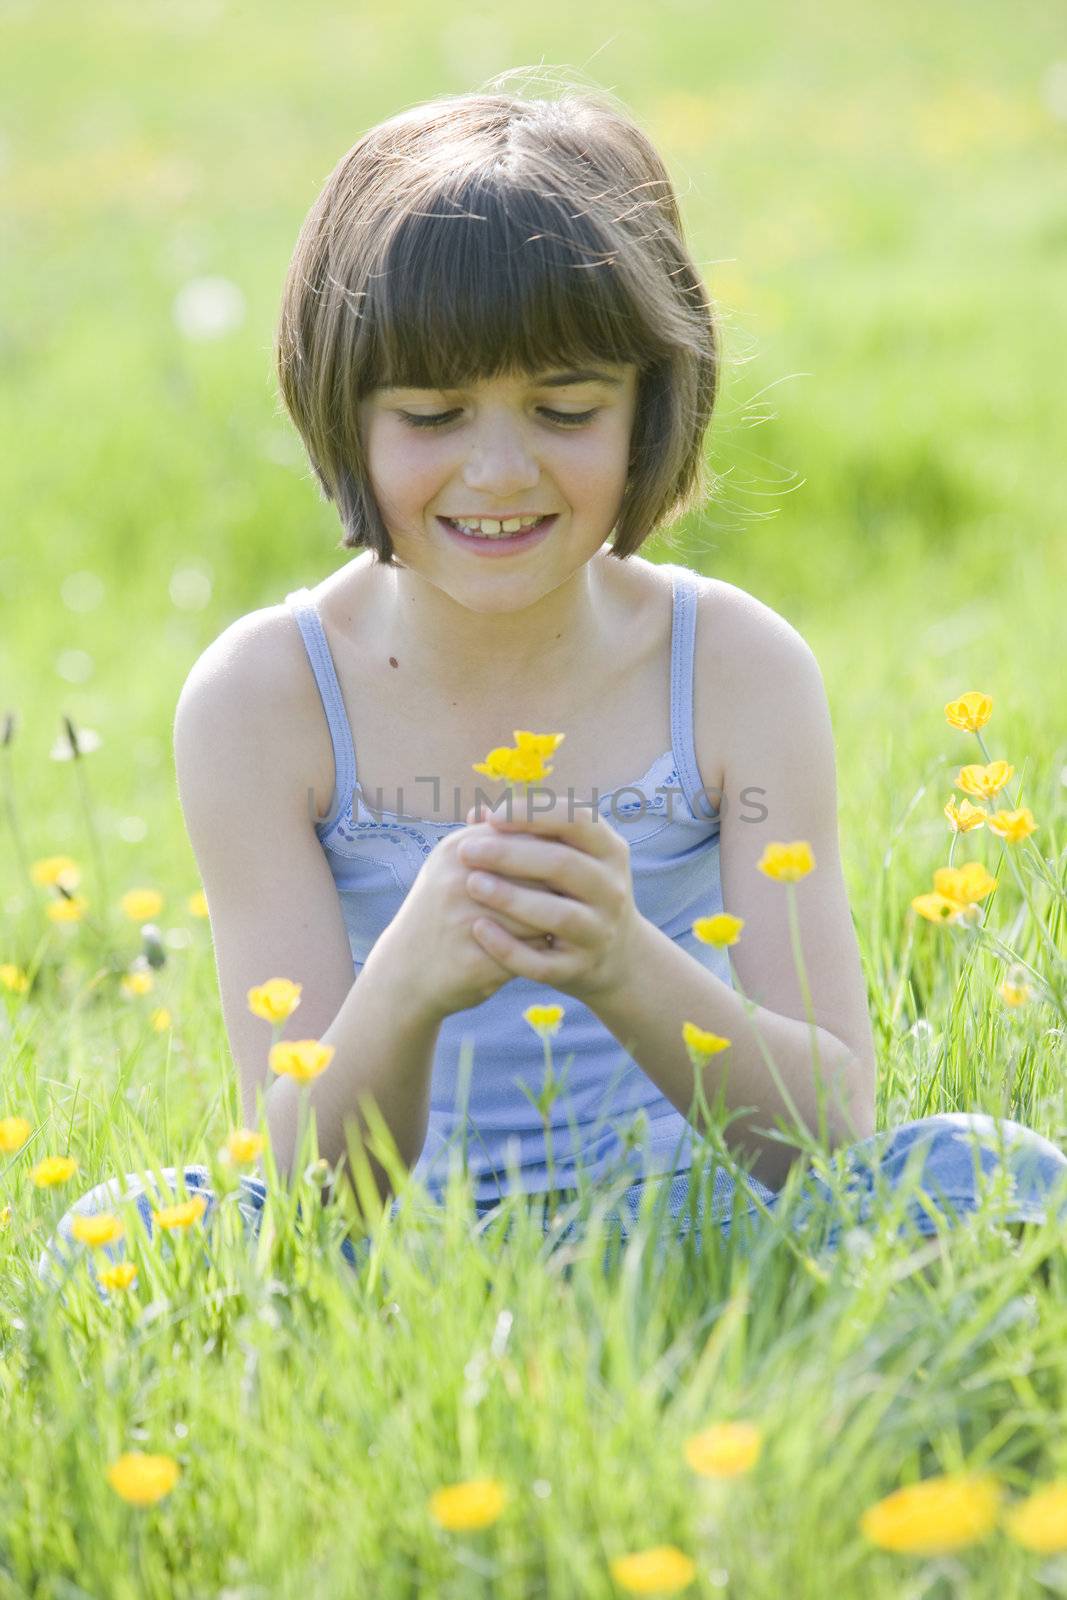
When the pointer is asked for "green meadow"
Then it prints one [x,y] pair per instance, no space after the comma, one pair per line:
[878,200]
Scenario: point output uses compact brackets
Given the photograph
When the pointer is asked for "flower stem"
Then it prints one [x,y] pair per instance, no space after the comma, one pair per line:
[97,851]
[809,1009]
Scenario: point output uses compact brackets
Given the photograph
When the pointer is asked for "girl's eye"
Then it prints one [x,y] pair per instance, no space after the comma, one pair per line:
[565,419]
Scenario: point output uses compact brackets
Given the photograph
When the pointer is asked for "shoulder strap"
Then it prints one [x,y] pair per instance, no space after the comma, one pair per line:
[683,654]
[307,619]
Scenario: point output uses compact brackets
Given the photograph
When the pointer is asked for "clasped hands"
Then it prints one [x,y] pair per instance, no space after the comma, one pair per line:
[587,904]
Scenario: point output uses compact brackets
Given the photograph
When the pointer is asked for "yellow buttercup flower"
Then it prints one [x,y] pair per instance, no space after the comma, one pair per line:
[984,781]
[52,1170]
[543,1019]
[970,712]
[137,983]
[196,905]
[143,1479]
[1040,1521]
[103,1228]
[787,862]
[242,1144]
[939,908]
[53,871]
[1013,826]
[274,1000]
[720,930]
[934,1517]
[183,1214]
[118,1276]
[661,1570]
[462,1507]
[64,910]
[725,1450]
[14,978]
[964,816]
[161,1019]
[1015,994]
[141,905]
[964,884]
[5,1218]
[700,1043]
[302,1059]
[14,1131]
[526,763]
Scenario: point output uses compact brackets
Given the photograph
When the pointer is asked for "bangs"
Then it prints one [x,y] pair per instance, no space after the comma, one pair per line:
[496,281]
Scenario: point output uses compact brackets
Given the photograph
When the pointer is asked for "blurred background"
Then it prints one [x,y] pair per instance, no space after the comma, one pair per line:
[878,199]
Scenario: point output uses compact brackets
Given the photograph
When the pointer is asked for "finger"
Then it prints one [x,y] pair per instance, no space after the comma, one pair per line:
[580,826]
[549,861]
[567,920]
[522,960]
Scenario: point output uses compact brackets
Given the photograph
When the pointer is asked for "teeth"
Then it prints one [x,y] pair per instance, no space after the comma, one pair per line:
[490,528]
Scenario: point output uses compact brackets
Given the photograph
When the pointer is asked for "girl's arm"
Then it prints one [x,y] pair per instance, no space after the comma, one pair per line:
[242,755]
[780,786]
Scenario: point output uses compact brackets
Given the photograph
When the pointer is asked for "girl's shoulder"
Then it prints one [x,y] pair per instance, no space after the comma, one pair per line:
[257,670]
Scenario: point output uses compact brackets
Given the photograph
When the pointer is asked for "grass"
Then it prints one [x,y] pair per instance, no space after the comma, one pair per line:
[878,204]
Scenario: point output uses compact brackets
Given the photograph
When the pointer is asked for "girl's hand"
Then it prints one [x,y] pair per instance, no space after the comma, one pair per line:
[586,904]
[430,943]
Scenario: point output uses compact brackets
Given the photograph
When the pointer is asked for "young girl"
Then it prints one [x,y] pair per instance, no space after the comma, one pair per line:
[502,362]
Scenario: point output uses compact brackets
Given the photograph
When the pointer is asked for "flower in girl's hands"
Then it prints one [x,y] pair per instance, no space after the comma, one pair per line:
[970,712]
[523,764]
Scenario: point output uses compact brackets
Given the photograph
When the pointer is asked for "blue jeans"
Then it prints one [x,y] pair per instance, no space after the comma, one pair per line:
[956,1157]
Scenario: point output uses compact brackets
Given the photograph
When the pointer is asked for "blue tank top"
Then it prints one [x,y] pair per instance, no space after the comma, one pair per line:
[609,1117]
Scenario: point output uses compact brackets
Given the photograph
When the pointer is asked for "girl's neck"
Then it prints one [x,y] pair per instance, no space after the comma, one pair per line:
[565,637]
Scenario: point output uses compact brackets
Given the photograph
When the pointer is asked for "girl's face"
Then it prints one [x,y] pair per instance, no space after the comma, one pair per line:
[552,443]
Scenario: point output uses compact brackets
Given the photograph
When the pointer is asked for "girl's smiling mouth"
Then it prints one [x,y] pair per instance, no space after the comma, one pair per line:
[502,545]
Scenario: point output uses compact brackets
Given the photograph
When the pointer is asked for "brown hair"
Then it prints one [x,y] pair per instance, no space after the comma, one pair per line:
[481,234]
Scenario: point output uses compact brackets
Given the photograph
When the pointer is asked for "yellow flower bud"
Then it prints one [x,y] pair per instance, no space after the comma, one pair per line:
[724,1450]
[787,863]
[462,1507]
[720,930]
[984,782]
[141,905]
[543,1019]
[1013,826]
[302,1059]
[274,1000]
[970,712]
[103,1228]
